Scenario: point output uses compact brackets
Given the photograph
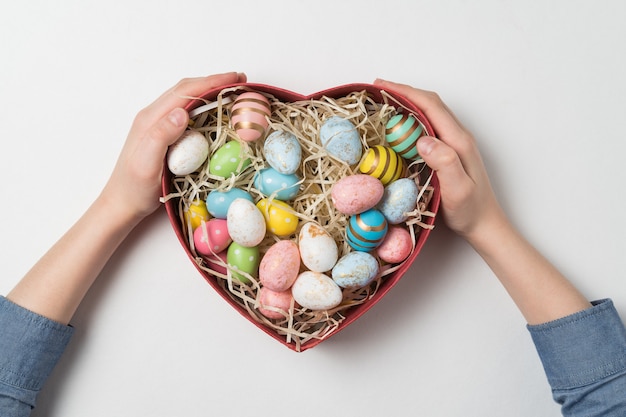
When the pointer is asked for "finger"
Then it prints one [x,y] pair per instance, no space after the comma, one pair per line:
[152,147]
[446,162]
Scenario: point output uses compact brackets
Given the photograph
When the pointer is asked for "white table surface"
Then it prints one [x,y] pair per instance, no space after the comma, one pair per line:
[541,84]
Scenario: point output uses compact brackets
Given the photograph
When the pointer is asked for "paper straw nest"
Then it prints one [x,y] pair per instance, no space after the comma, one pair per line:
[318,172]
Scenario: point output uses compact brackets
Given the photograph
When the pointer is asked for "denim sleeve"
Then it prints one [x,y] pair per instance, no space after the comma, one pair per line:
[584,357]
[30,346]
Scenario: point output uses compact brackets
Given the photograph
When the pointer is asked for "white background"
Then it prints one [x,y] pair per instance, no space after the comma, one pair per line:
[540,83]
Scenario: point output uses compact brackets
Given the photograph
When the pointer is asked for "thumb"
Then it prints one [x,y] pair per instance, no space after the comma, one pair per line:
[445,161]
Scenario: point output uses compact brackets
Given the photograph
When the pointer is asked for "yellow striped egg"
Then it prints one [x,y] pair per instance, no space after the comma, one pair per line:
[383,163]
[402,132]
[249,116]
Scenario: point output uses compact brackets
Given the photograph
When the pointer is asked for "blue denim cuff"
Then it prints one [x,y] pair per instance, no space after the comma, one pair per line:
[582,348]
[30,346]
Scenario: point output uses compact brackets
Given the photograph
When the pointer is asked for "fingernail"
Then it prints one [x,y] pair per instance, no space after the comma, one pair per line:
[178,117]
[425,145]
[379,81]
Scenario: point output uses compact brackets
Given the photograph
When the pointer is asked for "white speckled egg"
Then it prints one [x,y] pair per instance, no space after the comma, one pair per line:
[316,291]
[341,139]
[355,270]
[399,199]
[318,249]
[188,153]
[283,152]
[246,224]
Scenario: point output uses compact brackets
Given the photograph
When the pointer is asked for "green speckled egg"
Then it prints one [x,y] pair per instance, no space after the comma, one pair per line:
[244,259]
[226,159]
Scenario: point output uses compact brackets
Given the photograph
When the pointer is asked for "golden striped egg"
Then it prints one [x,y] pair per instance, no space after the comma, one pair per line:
[249,116]
[402,132]
[383,163]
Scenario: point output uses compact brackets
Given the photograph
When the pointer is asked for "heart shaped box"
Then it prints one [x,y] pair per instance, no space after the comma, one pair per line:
[353,313]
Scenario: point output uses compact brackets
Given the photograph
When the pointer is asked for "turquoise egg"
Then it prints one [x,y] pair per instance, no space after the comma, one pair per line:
[399,199]
[402,132]
[269,181]
[243,259]
[218,202]
[355,270]
[366,230]
[226,160]
[340,138]
[283,152]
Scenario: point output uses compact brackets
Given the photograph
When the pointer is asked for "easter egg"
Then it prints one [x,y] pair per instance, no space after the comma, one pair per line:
[340,138]
[280,266]
[279,217]
[248,116]
[402,132]
[383,163]
[246,224]
[270,301]
[218,202]
[196,213]
[243,259]
[282,151]
[365,231]
[271,182]
[355,270]
[227,160]
[396,246]
[318,250]
[356,193]
[316,291]
[211,237]
[188,153]
[217,262]
[399,199]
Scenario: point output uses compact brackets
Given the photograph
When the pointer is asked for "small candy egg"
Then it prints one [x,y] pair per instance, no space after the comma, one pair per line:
[246,224]
[396,246]
[225,161]
[188,153]
[366,230]
[316,291]
[217,261]
[218,202]
[341,139]
[249,114]
[402,132]
[399,199]
[280,266]
[269,181]
[196,213]
[356,193]
[280,300]
[318,250]
[355,270]
[383,163]
[211,237]
[279,217]
[243,259]
[283,152]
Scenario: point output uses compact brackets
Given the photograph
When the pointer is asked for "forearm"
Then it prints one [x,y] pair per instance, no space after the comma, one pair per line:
[58,282]
[539,290]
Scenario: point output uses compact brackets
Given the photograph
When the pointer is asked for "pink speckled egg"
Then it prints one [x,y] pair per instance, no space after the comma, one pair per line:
[396,246]
[280,266]
[274,299]
[355,194]
[211,237]
[218,261]
[248,116]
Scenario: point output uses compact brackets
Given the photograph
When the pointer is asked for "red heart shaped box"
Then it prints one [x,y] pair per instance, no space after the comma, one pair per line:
[288,96]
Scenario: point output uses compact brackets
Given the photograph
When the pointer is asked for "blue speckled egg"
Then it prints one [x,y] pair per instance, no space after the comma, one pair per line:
[341,139]
[218,202]
[355,270]
[269,181]
[399,199]
[402,132]
[283,151]
[366,230]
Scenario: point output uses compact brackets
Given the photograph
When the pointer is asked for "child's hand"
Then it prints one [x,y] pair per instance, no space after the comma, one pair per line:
[468,201]
[135,184]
